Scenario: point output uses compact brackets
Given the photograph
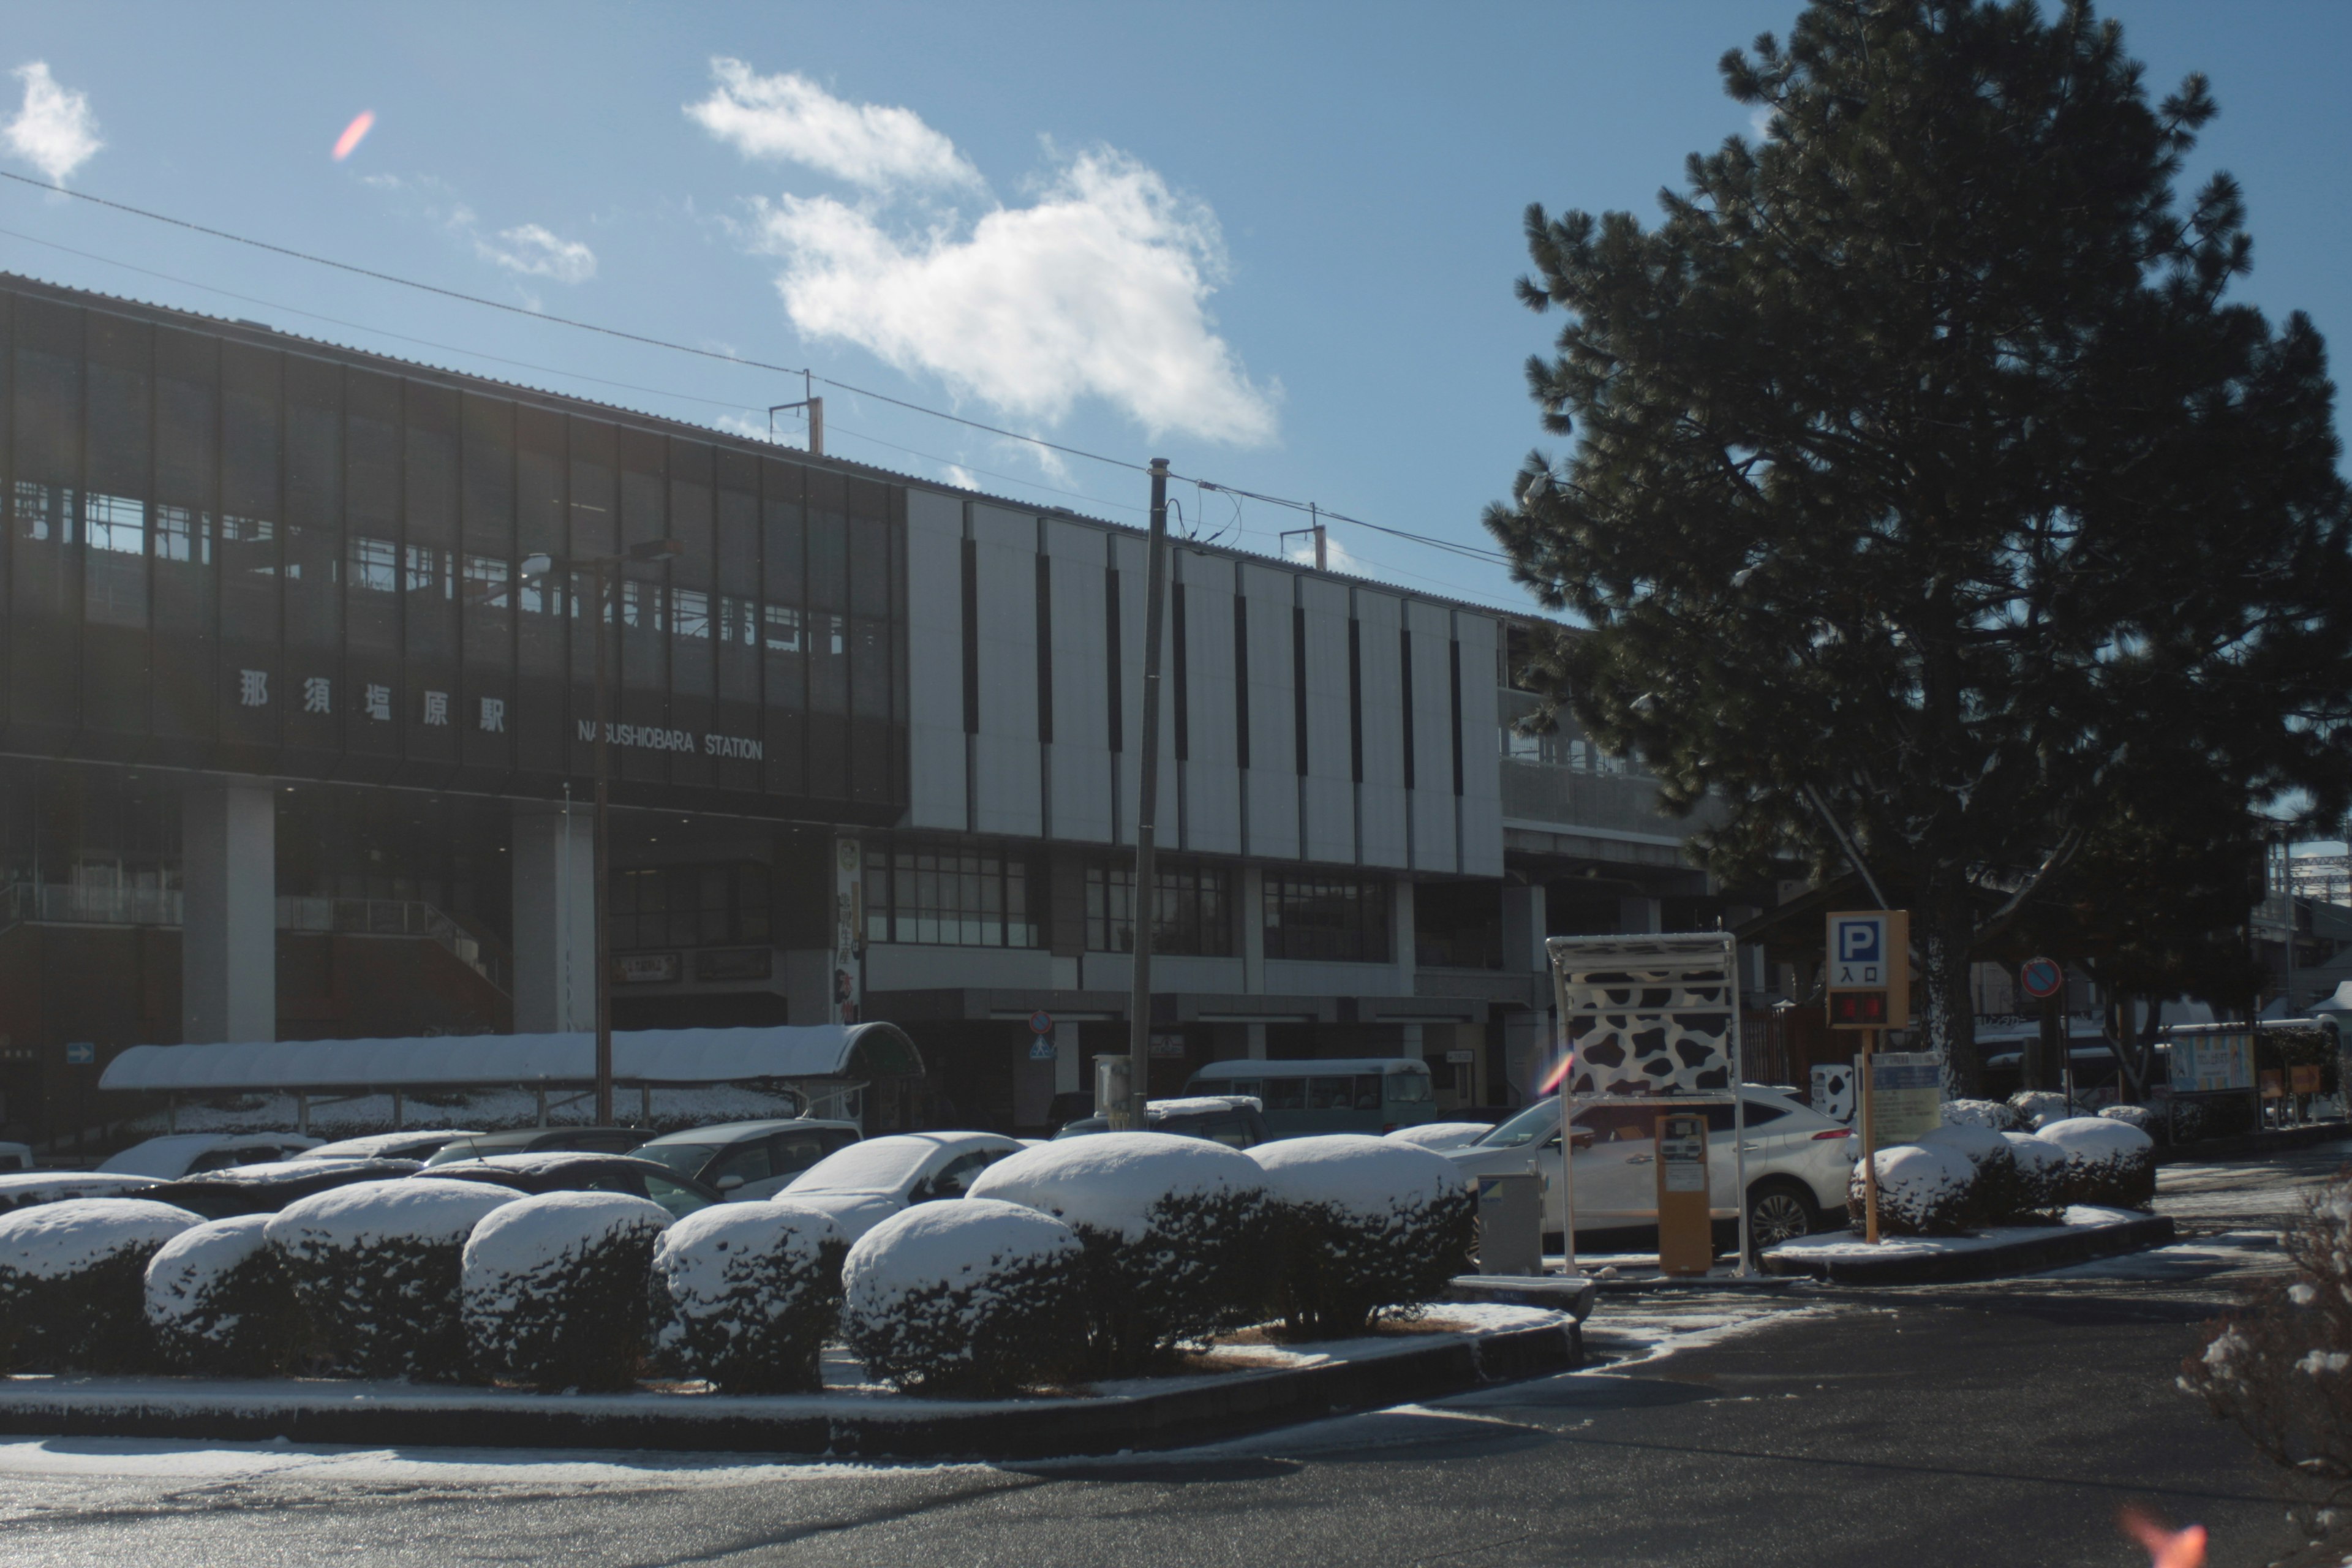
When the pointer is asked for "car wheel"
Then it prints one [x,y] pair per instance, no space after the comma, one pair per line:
[1778,1211]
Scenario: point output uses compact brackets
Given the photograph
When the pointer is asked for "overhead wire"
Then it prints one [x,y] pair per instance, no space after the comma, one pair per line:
[1485,557]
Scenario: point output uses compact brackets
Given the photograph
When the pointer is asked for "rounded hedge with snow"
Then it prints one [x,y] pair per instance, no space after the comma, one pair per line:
[1999,1193]
[973,1296]
[1362,1222]
[1443,1134]
[2041,1175]
[2107,1161]
[376,1266]
[1924,1189]
[219,1303]
[2139,1116]
[73,1283]
[750,1293]
[1176,1230]
[552,1288]
[2035,1107]
[1989,1113]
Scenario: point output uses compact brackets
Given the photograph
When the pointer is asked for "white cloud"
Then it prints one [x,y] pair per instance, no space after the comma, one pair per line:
[534,252]
[871,146]
[1336,557]
[1099,287]
[54,131]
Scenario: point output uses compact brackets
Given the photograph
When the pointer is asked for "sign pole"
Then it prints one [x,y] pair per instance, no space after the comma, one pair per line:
[1869,1140]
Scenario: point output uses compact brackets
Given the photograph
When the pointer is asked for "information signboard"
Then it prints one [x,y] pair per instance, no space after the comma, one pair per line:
[2211,1063]
[1906,1095]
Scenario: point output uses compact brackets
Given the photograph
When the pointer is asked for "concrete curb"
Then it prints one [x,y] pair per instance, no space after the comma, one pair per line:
[2081,1244]
[2254,1145]
[392,1414]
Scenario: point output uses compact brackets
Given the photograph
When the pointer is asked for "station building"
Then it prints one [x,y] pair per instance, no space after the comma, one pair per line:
[290,748]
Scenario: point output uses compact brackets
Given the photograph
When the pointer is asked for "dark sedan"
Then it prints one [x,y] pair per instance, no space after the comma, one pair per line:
[561,1172]
[264,1189]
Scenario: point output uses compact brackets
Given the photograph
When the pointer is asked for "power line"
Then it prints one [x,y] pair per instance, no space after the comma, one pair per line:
[1485,557]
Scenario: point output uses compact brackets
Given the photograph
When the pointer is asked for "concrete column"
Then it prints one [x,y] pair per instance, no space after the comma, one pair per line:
[1070,1067]
[1410,1041]
[229,925]
[1400,942]
[1639,916]
[1252,914]
[1524,929]
[1255,1050]
[555,871]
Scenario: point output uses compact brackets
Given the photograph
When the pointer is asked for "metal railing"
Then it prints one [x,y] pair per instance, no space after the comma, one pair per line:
[74,904]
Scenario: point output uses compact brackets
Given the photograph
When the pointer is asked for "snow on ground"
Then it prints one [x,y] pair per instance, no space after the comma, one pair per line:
[1845,1245]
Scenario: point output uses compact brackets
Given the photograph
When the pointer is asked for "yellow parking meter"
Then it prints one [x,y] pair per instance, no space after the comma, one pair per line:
[1686,1233]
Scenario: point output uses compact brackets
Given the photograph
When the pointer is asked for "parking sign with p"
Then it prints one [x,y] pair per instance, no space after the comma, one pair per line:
[1869,981]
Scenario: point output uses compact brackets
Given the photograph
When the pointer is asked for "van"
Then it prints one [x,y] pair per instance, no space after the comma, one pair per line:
[1338,1094]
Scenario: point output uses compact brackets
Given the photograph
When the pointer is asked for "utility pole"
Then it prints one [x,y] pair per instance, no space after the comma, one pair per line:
[815,406]
[1146,899]
[1315,515]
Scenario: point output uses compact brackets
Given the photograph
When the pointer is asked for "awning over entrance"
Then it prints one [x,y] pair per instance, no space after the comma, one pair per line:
[640,1057]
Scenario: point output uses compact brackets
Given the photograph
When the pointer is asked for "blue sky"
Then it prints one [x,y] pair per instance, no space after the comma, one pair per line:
[1312,212]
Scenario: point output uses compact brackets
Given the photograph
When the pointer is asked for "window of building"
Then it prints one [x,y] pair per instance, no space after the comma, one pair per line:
[690,906]
[1340,920]
[1192,912]
[957,897]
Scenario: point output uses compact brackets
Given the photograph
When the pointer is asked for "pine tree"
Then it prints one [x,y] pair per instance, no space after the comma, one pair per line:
[1923,465]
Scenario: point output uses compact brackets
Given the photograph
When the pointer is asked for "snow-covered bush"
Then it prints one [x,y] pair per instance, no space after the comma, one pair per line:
[747,1293]
[219,1303]
[1441,1134]
[2041,1175]
[1177,1233]
[375,1266]
[2139,1116]
[970,1297]
[1924,1189]
[2036,1106]
[552,1288]
[2108,1163]
[1360,1224]
[1999,1193]
[29,1189]
[1989,1113]
[72,1283]
[2282,1367]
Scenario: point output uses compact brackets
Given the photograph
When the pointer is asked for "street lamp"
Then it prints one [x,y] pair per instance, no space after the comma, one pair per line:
[541,565]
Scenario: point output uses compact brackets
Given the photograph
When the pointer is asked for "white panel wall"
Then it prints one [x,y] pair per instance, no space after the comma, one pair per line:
[1434,847]
[1482,768]
[935,741]
[1213,784]
[1380,799]
[1271,781]
[1007,784]
[1328,791]
[1133,560]
[1079,758]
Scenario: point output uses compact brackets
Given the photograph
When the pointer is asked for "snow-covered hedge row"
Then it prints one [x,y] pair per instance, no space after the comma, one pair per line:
[1924,1189]
[974,1296]
[376,1266]
[1989,1113]
[2108,1163]
[2041,1175]
[1177,1233]
[750,1293]
[220,1304]
[553,1289]
[2034,1107]
[1360,1224]
[73,1283]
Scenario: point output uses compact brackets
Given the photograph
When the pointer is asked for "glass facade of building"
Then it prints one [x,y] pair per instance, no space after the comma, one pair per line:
[227,549]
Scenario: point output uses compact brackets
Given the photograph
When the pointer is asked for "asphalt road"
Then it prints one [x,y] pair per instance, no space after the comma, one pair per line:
[1978,1424]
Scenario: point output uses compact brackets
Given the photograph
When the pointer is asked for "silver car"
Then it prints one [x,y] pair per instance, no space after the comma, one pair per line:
[1798,1163]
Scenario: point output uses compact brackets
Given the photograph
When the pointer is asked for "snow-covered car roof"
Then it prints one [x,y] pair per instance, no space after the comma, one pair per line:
[373,1145]
[538,1159]
[888,1163]
[739,1131]
[24,1189]
[170,1157]
[266,1171]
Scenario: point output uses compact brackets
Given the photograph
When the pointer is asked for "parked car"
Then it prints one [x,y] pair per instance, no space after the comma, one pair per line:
[867,1183]
[747,1159]
[538,1140]
[16,1156]
[267,1188]
[1351,1094]
[571,1170]
[1798,1163]
[1230,1119]
[178,1154]
[26,1189]
[413,1144]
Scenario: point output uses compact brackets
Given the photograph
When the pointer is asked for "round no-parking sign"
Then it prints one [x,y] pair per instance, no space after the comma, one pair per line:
[2041,978]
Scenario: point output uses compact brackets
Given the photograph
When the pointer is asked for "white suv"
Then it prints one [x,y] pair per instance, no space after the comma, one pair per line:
[1798,1163]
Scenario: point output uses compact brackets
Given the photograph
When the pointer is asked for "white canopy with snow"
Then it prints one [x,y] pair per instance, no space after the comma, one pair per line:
[648,1057]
